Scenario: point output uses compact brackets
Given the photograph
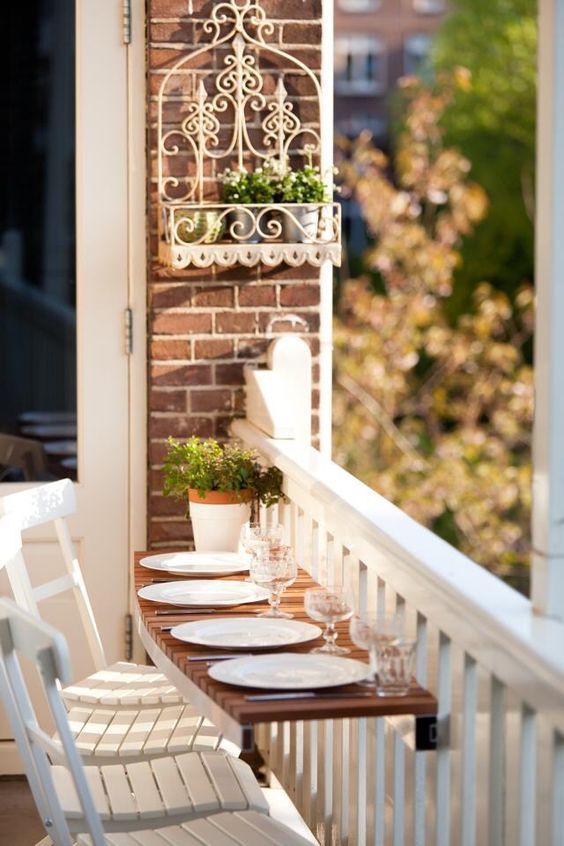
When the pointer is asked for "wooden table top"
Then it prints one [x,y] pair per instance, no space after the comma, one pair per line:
[232,699]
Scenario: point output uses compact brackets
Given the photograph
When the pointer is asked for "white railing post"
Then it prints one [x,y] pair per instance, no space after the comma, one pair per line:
[548,443]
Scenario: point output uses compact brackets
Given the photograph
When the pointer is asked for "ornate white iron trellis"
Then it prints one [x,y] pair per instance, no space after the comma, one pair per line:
[233,119]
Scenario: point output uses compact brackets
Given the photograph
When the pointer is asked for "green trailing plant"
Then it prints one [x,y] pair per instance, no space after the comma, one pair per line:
[257,187]
[303,186]
[206,465]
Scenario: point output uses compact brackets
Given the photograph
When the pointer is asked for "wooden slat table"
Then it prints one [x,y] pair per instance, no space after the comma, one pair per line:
[227,706]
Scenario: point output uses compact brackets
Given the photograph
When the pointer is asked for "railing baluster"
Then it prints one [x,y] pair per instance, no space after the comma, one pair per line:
[497,763]
[398,791]
[380,782]
[468,798]
[443,810]
[420,758]
[527,778]
[558,791]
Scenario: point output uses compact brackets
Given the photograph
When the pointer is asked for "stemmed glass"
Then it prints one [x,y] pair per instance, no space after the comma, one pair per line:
[329,605]
[274,568]
[372,632]
[255,537]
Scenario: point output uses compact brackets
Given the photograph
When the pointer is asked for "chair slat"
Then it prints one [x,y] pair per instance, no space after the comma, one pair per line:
[186,733]
[110,744]
[202,794]
[171,786]
[159,736]
[88,727]
[138,732]
[143,784]
[256,799]
[122,803]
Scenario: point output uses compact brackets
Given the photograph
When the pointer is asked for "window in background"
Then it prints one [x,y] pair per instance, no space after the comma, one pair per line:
[415,52]
[360,65]
[359,5]
[429,7]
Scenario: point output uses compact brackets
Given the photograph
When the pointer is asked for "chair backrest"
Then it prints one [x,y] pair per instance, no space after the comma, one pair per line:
[25,455]
[51,503]
[23,634]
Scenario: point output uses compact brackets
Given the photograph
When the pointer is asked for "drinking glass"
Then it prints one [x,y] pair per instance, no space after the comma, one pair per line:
[367,631]
[396,663]
[255,537]
[329,605]
[274,568]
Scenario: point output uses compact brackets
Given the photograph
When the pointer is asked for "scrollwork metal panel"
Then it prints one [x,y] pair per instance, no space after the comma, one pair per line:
[237,113]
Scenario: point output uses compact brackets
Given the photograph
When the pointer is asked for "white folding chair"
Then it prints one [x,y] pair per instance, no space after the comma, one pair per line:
[126,710]
[167,808]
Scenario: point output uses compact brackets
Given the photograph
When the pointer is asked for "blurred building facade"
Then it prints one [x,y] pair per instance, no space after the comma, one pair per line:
[376,42]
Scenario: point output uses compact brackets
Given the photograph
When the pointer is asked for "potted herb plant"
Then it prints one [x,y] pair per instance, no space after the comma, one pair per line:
[223,483]
[195,225]
[302,188]
[248,189]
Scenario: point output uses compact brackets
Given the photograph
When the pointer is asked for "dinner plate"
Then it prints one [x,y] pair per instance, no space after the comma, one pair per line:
[197,563]
[203,592]
[289,671]
[246,633]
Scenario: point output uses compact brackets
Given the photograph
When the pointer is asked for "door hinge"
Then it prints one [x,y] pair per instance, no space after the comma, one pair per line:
[128,330]
[126,9]
[128,637]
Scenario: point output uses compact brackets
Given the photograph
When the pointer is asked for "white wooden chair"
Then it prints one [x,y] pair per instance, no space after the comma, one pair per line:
[171,805]
[129,711]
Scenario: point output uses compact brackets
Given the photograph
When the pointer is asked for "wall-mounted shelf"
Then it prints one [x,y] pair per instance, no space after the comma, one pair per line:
[221,234]
[234,102]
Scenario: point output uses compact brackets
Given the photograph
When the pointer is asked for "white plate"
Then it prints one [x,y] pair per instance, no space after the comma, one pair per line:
[246,633]
[203,592]
[197,563]
[289,671]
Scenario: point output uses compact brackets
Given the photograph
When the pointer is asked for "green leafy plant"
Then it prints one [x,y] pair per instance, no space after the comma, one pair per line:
[206,465]
[258,186]
[303,186]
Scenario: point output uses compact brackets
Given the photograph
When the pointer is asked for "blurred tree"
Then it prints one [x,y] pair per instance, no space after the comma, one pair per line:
[434,415]
[491,120]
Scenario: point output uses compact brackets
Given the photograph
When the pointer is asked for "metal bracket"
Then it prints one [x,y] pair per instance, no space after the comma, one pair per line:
[128,637]
[426,733]
[128,330]
[126,21]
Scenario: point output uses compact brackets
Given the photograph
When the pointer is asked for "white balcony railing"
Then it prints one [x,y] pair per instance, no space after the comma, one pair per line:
[496,668]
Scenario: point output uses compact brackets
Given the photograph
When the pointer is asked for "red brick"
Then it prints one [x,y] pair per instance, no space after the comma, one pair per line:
[157,452]
[208,401]
[214,348]
[167,401]
[229,374]
[180,427]
[170,530]
[167,8]
[170,349]
[237,273]
[156,478]
[235,323]
[285,272]
[176,323]
[162,273]
[182,31]
[181,374]
[170,296]
[302,33]
[300,9]
[299,295]
[213,298]
[257,295]
[167,506]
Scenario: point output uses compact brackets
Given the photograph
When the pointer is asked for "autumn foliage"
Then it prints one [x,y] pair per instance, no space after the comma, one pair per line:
[433,412]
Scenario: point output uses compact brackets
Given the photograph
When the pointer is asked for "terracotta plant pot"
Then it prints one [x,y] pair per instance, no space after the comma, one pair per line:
[217,518]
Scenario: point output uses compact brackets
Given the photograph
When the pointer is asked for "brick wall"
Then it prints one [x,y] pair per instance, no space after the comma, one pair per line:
[205,324]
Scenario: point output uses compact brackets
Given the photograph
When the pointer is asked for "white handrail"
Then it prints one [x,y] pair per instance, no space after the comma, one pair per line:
[482,615]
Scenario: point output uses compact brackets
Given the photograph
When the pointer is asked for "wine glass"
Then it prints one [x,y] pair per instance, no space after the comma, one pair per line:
[368,631]
[274,568]
[329,605]
[255,537]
